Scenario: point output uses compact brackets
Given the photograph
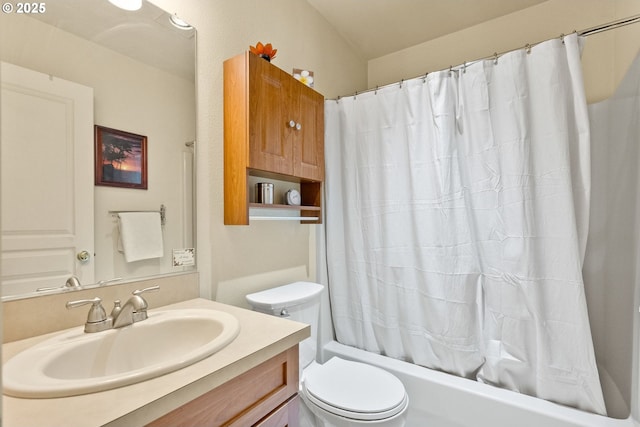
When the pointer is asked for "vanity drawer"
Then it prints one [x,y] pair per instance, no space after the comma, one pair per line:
[246,400]
[285,416]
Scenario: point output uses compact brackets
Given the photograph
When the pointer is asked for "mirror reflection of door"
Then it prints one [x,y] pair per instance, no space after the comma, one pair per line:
[47,180]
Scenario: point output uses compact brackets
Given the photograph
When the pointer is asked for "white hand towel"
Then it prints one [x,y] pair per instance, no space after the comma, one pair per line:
[141,235]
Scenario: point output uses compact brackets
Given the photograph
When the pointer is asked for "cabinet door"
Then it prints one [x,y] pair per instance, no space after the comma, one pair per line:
[308,146]
[261,394]
[270,144]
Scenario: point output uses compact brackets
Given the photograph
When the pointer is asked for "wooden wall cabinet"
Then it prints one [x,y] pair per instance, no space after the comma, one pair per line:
[265,396]
[273,129]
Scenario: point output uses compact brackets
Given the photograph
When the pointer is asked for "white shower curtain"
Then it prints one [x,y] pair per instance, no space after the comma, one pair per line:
[457,212]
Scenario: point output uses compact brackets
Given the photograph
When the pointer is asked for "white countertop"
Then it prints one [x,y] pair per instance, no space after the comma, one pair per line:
[261,337]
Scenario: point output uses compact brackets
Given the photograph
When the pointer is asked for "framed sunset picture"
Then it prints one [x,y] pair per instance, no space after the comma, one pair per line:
[120,158]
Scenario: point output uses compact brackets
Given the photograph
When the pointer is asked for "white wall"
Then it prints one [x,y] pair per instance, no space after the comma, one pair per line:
[129,96]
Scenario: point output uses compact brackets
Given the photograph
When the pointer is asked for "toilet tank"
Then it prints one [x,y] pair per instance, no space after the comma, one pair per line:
[299,301]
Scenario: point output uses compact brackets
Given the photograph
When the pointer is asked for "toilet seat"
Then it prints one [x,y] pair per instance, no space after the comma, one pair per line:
[354,390]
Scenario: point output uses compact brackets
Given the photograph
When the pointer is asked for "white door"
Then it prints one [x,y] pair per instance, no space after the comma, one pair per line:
[47,180]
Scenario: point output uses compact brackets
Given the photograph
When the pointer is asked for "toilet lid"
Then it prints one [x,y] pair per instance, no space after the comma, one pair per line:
[355,390]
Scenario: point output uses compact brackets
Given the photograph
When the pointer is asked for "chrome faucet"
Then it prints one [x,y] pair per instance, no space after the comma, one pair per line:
[134,310]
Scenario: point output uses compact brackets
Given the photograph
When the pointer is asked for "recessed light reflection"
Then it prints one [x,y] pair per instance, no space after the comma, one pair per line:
[179,23]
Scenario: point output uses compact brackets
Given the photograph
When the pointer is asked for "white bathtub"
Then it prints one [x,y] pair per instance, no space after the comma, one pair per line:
[437,399]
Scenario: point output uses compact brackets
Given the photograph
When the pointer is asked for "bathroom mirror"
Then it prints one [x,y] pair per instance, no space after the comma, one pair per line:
[134,72]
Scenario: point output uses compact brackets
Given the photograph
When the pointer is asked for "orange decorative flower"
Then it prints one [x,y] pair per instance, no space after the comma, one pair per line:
[265,51]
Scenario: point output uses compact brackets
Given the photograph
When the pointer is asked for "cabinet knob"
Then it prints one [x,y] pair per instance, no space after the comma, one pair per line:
[298,126]
[292,124]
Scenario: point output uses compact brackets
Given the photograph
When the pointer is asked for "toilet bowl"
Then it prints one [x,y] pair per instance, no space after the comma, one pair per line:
[342,393]
[339,393]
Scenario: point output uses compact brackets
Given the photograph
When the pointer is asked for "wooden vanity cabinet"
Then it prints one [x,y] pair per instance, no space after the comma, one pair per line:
[265,396]
[273,128]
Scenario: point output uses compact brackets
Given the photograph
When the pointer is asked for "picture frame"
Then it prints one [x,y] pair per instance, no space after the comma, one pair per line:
[120,158]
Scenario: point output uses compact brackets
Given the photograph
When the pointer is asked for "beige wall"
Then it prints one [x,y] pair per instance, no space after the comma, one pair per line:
[236,260]
[606,56]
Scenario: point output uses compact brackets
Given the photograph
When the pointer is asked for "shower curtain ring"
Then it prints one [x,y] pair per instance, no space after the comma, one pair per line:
[450,70]
[528,48]
[495,58]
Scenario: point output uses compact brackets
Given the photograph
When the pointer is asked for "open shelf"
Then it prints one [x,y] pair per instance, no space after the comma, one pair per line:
[279,206]
[280,212]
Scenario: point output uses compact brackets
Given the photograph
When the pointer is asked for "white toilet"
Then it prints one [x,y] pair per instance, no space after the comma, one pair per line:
[340,393]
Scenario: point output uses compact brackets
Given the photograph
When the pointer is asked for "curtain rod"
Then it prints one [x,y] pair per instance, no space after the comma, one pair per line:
[583,33]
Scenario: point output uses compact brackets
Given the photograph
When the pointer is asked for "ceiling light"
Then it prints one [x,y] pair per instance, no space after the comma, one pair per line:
[127,4]
[179,23]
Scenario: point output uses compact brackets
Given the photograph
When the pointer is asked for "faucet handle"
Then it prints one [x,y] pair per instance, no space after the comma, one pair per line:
[97,318]
[105,281]
[149,289]
[96,312]
[143,303]
[140,304]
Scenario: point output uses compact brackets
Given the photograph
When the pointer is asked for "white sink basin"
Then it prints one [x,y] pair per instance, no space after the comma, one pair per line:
[74,362]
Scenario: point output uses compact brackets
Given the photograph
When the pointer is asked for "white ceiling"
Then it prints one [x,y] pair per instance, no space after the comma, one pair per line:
[375,28]
[145,35]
